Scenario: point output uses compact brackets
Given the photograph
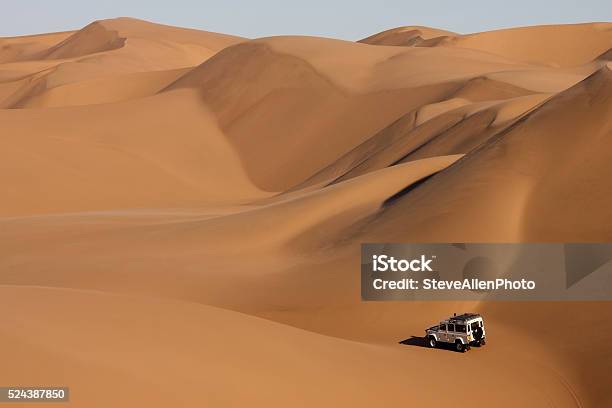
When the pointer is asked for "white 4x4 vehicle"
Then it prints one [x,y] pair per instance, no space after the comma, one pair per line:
[462,331]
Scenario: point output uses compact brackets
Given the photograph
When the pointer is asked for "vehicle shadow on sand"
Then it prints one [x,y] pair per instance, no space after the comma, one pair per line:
[417,341]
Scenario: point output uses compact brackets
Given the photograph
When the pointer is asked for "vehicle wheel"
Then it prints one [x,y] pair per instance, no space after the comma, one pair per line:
[460,347]
[431,342]
[482,342]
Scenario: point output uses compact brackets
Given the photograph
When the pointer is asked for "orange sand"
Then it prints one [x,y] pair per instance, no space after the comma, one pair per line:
[183,210]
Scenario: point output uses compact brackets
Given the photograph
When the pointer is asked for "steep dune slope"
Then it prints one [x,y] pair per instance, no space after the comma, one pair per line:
[525,173]
[94,38]
[316,99]
[453,126]
[295,109]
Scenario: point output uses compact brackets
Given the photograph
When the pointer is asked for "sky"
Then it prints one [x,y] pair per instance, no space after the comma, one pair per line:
[345,19]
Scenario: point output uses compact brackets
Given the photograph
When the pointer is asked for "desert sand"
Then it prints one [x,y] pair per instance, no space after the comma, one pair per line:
[183,210]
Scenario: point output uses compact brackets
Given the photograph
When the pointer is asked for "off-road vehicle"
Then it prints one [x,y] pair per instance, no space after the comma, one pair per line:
[462,331]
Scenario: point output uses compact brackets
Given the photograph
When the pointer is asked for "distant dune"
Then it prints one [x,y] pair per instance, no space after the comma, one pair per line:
[92,65]
[184,210]
[556,45]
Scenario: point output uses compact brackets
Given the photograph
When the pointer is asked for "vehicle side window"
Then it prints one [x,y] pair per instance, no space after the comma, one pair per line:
[443,327]
[460,328]
[451,327]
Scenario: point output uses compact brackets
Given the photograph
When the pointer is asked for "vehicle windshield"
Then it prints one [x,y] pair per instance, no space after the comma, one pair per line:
[474,326]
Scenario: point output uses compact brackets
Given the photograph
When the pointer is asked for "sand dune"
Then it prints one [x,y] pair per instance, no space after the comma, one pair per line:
[580,43]
[25,47]
[109,35]
[409,36]
[218,357]
[102,54]
[575,44]
[88,162]
[115,88]
[187,202]
[94,38]
[303,93]
[572,125]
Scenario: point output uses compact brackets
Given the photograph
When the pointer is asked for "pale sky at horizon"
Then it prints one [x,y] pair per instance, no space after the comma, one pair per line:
[344,19]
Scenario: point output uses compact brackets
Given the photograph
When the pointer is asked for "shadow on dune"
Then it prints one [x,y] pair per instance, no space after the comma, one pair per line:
[417,341]
[414,341]
[389,201]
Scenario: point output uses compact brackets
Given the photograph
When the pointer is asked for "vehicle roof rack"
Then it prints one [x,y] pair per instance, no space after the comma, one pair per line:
[463,317]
